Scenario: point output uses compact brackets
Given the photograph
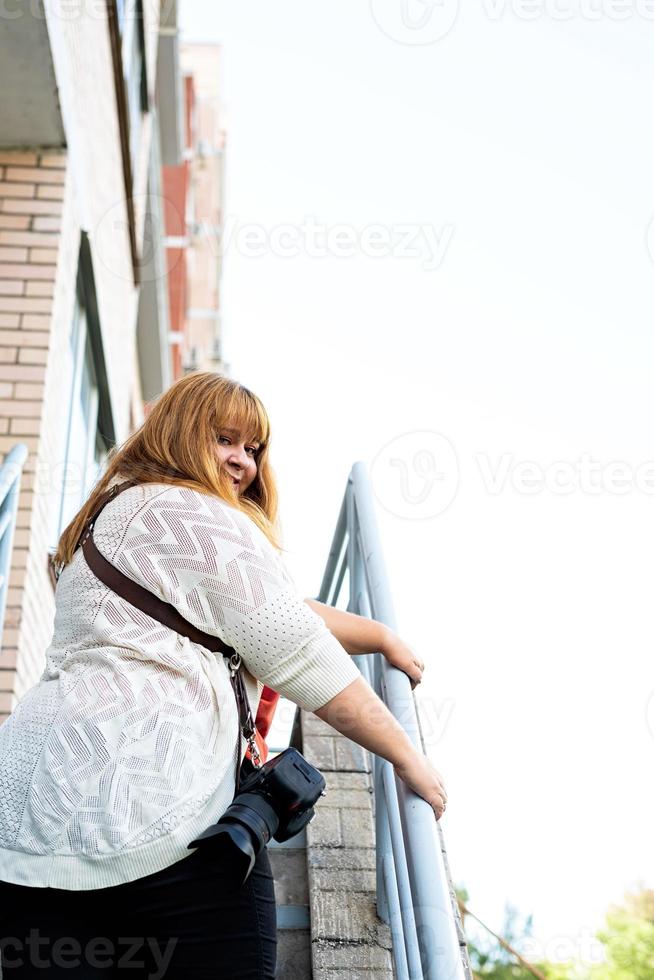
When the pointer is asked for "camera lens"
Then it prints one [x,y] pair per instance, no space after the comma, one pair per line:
[239,836]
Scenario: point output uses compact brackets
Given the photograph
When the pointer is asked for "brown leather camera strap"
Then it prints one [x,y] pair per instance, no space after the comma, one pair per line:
[164,612]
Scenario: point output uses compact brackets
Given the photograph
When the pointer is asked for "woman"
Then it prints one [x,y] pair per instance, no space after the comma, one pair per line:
[126,749]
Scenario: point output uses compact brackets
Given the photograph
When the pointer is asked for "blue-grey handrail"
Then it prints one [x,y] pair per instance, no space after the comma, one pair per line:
[10,474]
[414,890]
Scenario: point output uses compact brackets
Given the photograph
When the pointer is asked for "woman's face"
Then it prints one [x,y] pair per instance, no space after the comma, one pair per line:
[237,456]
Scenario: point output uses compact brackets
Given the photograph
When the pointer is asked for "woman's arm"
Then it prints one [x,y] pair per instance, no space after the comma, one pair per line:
[359,634]
[358,713]
[356,634]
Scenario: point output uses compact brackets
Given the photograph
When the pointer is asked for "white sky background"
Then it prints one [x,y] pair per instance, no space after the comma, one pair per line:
[532,141]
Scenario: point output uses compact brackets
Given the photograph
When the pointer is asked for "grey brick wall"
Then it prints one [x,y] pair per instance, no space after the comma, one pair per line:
[348,939]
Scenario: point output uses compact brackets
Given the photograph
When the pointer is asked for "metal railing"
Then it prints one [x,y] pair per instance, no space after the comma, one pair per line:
[414,889]
[10,474]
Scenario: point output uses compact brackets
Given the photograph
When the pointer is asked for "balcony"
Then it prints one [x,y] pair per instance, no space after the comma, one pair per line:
[31,113]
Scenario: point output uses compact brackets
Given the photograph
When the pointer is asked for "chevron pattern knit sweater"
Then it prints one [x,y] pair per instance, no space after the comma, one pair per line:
[126,748]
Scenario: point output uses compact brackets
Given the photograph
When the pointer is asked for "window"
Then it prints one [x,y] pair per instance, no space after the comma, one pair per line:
[88,433]
[120,12]
[127,40]
[130,23]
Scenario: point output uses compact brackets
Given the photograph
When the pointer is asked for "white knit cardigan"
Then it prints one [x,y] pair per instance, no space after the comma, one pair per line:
[126,748]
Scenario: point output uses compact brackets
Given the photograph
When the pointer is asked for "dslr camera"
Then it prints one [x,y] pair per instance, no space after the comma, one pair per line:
[276,800]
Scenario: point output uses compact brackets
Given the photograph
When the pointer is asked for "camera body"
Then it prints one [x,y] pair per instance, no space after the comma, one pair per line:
[292,786]
[275,800]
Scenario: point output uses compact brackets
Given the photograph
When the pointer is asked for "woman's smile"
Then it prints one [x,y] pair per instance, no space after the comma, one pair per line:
[238,456]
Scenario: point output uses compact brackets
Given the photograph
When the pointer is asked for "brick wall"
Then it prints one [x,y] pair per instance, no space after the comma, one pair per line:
[32,187]
[348,939]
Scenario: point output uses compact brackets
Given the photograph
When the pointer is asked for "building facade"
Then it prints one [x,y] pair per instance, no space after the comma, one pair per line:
[194,195]
[201,66]
[97,269]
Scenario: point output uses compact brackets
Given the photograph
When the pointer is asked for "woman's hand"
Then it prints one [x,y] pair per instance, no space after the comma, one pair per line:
[424,779]
[401,655]
[358,713]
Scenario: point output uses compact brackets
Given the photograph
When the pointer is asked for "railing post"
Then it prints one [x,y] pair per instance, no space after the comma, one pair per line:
[412,880]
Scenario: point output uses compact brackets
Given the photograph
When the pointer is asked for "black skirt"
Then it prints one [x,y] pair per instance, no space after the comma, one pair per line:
[181,922]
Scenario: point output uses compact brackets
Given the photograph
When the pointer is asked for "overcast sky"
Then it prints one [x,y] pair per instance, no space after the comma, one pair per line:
[438,264]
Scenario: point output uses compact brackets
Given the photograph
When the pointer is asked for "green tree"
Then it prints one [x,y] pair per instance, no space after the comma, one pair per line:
[491,960]
[628,938]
